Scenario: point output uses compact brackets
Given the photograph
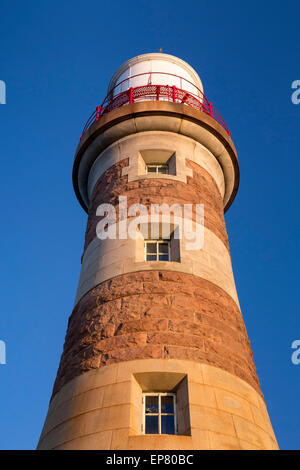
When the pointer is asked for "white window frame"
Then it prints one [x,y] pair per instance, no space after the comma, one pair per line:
[157,166]
[157,250]
[160,414]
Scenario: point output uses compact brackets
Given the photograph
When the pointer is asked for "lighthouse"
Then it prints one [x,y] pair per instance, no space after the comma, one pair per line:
[156,354]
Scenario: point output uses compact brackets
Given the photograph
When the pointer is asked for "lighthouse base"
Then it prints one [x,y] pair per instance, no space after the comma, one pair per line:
[102,409]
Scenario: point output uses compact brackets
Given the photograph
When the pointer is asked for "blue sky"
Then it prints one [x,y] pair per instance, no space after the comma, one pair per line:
[56,60]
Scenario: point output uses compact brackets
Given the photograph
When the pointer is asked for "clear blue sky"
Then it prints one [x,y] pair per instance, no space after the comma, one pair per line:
[56,59]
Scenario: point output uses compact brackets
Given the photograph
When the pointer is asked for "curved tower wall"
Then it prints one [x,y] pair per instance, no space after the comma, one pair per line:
[161,326]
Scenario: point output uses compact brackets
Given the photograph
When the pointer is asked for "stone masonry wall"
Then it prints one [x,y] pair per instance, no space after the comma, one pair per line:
[156,315]
[199,189]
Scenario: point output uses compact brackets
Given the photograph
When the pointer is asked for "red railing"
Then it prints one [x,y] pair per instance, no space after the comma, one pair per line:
[154,92]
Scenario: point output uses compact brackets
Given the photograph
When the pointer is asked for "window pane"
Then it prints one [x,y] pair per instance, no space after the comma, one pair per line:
[162,169]
[151,169]
[163,257]
[167,424]
[151,258]
[151,405]
[152,425]
[163,248]
[151,247]
[167,404]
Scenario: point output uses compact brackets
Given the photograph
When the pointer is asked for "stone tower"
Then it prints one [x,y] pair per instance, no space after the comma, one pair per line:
[156,354]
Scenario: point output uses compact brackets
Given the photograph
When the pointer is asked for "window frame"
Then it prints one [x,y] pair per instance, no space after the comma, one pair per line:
[157,166]
[146,242]
[160,414]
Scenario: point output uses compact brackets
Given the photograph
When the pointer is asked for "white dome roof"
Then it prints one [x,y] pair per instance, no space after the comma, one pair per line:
[157,69]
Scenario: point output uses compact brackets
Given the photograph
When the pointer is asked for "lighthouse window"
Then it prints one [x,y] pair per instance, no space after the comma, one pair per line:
[158,250]
[159,413]
[157,168]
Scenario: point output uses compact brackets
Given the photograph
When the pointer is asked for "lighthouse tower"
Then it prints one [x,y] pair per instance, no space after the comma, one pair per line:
[156,354]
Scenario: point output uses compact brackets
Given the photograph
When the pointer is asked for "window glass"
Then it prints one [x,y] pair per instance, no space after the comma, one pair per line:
[163,247]
[167,424]
[151,424]
[151,258]
[162,169]
[157,250]
[151,247]
[151,404]
[157,168]
[151,169]
[159,413]
[167,404]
